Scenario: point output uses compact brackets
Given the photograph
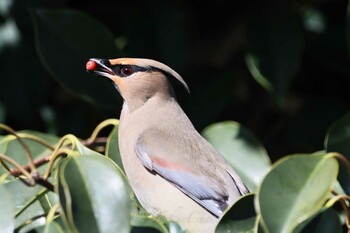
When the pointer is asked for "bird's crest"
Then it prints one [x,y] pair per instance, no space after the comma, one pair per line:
[142,62]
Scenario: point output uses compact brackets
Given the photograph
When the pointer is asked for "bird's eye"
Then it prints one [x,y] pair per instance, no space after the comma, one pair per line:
[126,71]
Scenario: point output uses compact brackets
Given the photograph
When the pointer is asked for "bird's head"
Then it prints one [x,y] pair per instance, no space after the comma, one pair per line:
[136,79]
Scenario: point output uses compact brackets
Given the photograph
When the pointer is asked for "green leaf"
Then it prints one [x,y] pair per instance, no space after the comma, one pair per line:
[7,211]
[53,227]
[337,140]
[30,202]
[10,146]
[174,227]
[65,40]
[94,195]
[275,42]
[49,227]
[338,137]
[327,220]
[241,149]
[294,190]
[141,221]
[313,19]
[240,217]
[112,148]
[146,223]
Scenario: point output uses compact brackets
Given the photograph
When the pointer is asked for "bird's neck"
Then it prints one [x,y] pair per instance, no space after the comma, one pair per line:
[132,104]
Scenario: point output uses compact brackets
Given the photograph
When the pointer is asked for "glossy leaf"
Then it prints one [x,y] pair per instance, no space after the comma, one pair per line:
[141,222]
[241,149]
[240,217]
[275,41]
[327,220]
[337,140]
[112,148]
[30,202]
[65,40]
[174,227]
[7,211]
[53,227]
[49,227]
[294,190]
[10,146]
[94,195]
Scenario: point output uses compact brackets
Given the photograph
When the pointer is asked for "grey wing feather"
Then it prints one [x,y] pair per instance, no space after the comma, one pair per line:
[194,186]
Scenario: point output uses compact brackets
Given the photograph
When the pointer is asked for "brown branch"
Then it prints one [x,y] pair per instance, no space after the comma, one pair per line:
[343,159]
[37,163]
[89,143]
[43,160]
[346,210]
[45,183]
[24,146]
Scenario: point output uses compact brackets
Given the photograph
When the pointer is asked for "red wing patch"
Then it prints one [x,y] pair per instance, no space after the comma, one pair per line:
[167,164]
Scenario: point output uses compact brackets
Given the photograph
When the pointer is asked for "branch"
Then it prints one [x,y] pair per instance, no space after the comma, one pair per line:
[43,160]
[24,146]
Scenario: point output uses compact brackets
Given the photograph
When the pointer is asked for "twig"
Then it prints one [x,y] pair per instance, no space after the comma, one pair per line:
[56,154]
[37,163]
[36,139]
[58,151]
[24,146]
[45,183]
[100,140]
[30,201]
[99,127]
[343,159]
[341,199]
[18,166]
[43,160]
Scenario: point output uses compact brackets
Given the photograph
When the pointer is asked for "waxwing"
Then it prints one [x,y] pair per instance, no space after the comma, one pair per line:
[172,169]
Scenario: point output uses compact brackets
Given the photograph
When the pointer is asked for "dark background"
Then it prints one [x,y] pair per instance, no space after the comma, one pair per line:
[300,47]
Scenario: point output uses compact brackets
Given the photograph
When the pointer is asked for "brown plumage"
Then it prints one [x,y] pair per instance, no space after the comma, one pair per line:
[173,171]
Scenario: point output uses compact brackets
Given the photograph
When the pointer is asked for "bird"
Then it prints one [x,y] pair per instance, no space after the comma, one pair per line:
[174,172]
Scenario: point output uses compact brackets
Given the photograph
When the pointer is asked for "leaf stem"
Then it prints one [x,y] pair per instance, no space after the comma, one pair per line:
[59,151]
[100,126]
[342,199]
[45,183]
[24,146]
[18,166]
[50,216]
[37,163]
[36,139]
[342,158]
[31,201]
[56,154]
[29,221]
[43,160]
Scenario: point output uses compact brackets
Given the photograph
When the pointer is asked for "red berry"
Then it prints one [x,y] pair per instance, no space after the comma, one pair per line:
[91,65]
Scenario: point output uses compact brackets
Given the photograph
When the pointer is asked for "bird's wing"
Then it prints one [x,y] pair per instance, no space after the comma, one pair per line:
[158,154]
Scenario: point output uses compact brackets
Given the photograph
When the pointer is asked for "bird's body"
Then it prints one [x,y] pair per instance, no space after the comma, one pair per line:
[157,195]
[173,171]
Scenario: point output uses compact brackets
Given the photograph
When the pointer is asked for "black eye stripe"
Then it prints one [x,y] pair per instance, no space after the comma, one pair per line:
[117,69]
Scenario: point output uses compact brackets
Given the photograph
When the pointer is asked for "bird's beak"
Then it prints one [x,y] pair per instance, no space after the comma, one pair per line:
[101,67]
